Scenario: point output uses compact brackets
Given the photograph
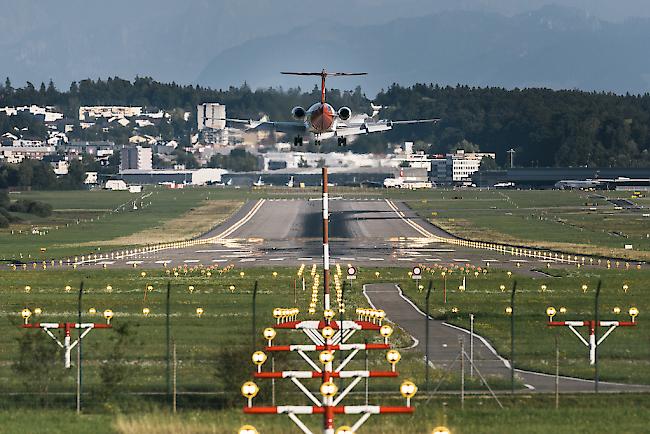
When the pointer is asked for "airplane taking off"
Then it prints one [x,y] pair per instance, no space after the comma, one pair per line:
[321,121]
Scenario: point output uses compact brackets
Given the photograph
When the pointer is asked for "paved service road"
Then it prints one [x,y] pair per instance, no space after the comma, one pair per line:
[370,232]
[444,346]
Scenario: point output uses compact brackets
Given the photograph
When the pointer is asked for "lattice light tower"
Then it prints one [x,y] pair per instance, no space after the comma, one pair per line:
[327,336]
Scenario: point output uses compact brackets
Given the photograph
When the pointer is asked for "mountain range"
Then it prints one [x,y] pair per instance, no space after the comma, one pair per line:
[224,43]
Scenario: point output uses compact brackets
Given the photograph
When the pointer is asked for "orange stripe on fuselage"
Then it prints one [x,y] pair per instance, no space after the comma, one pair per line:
[321,119]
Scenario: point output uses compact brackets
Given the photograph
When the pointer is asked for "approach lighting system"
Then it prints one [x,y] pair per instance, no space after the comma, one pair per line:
[408,389]
[108,314]
[248,429]
[326,357]
[634,312]
[550,311]
[392,357]
[249,390]
[26,313]
[327,332]
[328,389]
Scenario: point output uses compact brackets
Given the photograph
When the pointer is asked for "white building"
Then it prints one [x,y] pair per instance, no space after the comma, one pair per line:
[136,157]
[98,111]
[457,168]
[211,115]
[22,149]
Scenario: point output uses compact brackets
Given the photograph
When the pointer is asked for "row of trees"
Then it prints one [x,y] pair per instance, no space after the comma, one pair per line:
[39,175]
[544,127]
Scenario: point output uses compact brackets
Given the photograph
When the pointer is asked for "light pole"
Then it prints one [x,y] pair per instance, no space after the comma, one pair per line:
[512,337]
[426,338]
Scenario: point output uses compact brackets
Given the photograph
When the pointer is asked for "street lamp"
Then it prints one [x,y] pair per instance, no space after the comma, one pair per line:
[408,389]
[108,314]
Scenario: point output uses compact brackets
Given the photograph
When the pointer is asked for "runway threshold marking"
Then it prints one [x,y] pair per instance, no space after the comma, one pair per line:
[277,259]
[375,259]
[248,260]
[461,260]
[305,259]
[191,261]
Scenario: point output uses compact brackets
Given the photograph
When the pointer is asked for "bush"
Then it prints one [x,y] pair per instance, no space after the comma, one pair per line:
[4,221]
[40,209]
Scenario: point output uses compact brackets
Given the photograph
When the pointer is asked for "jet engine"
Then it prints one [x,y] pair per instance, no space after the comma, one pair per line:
[345,113]
[298,112]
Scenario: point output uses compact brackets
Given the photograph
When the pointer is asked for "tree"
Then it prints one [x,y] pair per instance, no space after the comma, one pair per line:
[488,163]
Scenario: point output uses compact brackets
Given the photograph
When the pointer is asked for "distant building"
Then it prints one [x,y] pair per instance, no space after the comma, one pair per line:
[201,176]
[88,112]
[458,167]
[22,149]
[137,158]
[211,123]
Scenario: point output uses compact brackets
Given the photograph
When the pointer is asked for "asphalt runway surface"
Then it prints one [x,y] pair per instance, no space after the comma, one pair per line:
[444,347]
[366,232]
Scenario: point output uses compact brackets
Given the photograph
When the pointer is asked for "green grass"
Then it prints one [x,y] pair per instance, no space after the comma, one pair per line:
[551,219]
[530,415]
[624,356]
[83,220]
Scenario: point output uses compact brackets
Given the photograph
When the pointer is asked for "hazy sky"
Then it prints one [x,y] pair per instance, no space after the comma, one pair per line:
[174,40]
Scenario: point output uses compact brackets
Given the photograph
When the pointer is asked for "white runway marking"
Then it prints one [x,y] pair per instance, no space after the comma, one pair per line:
[163,262]
[133,262]
[219,260]
[347,259]
[405,259]
[304,259]
[277,259]
[248,260]
[461,260]
[191,261]
[432,259]
[106,263]
[518,260]
[436,250]
[375,259]
[490,260]
[213,251]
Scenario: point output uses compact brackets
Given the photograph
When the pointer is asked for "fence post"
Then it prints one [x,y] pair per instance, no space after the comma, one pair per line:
[79,357]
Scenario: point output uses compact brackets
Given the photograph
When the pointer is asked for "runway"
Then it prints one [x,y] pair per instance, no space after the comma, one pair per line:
[366,232]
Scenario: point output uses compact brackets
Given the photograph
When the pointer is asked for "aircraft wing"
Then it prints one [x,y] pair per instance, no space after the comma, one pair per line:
[263,124]
[368,125]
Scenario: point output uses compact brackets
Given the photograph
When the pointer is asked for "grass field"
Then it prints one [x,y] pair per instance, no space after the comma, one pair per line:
[530,415]
[89,221]
[124,369]
[571,221]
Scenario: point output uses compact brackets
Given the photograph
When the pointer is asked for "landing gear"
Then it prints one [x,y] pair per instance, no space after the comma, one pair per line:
[342,141]
[297,141]
[317,142]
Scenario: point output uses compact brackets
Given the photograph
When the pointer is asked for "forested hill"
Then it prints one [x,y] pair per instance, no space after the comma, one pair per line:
[545,127]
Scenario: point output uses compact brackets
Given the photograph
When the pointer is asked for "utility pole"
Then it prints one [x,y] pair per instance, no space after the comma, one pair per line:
[81,291]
